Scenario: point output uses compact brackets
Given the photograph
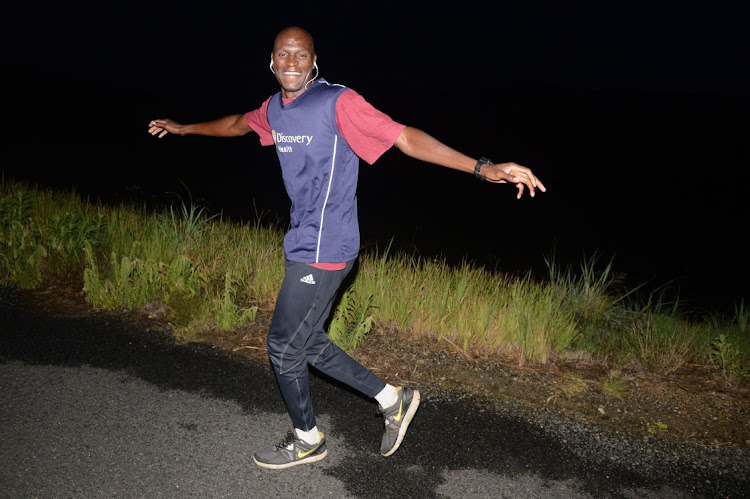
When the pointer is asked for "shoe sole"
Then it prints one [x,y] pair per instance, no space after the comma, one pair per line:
[410,412]
[307,460]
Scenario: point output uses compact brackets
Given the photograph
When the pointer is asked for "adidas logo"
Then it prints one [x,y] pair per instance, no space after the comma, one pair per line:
[308,279]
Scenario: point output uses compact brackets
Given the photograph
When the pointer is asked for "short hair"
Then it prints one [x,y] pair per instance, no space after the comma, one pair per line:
[298,29]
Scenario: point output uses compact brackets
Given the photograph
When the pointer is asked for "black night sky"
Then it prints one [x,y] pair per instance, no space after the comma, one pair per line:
[635,116]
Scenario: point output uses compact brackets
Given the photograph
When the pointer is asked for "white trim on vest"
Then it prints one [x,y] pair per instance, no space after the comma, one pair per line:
[328,192]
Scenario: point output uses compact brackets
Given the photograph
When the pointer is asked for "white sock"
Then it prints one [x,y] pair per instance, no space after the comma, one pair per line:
[310,436]
[387,397]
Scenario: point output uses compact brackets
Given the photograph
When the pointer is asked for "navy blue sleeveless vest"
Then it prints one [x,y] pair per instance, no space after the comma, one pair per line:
[320,174]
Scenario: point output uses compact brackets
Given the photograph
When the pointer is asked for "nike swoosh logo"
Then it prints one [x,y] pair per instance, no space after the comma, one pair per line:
[301,454]
[397,417]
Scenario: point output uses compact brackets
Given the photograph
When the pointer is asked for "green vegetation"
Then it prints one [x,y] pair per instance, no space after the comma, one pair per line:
[213,275]
[615,384]
[656,428]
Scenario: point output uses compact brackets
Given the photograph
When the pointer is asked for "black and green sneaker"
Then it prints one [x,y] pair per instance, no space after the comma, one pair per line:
[397,419]
[290,452]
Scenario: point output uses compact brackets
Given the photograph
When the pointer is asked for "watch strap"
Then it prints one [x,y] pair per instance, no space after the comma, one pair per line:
[478,166]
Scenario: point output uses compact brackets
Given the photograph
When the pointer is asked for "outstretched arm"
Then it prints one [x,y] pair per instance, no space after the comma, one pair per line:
[420,145]
[233,125]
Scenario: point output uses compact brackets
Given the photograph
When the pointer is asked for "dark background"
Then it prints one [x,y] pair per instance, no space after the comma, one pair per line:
[634,116]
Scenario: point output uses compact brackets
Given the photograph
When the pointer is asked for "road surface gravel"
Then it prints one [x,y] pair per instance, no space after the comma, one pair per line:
[103,406]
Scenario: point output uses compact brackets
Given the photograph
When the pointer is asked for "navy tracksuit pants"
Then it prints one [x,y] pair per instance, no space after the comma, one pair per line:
[297,339]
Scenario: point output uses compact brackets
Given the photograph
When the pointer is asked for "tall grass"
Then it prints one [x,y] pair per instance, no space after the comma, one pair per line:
[468,306]
[214,275]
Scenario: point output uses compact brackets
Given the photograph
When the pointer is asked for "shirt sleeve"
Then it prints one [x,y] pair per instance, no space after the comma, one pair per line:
[258,121]
[368,131]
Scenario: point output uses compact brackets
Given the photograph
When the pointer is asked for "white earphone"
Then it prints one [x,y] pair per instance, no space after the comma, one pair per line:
[270,66]
[317,72]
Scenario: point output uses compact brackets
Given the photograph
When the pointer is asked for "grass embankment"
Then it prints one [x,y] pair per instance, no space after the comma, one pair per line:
[213,275]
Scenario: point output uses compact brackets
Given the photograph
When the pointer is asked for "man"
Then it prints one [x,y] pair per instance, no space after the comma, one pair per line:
[320,131]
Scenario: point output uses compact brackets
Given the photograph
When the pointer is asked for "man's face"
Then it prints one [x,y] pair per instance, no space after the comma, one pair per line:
[293,58]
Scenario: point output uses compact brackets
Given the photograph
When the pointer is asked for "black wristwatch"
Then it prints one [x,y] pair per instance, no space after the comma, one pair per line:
[482,161]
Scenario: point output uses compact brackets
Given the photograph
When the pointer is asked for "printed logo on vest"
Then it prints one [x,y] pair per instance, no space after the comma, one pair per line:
[280,138]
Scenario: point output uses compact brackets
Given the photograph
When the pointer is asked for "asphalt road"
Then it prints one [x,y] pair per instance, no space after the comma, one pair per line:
[101,407]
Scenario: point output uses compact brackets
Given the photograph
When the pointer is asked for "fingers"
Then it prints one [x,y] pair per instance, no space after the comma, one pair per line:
[158,128]
[521,184]
[158,132]
[520,190]
[522,176]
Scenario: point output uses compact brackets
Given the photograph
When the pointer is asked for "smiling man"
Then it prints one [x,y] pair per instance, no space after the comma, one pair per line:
[321,131]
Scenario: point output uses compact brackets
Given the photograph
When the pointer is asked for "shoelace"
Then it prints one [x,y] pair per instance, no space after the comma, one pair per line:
[288,440]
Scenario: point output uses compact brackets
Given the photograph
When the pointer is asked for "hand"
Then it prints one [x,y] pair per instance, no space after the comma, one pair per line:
[163,126]
[513,173]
